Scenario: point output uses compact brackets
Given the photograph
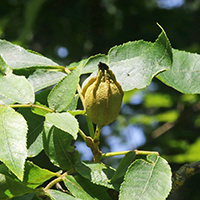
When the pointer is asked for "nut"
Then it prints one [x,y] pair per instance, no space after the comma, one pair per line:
[103,96]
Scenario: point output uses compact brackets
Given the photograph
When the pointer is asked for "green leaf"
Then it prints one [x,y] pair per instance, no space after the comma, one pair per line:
[63,93]
[84,189]
[149,179]
[5,101]
[57,145]
[10,188]
[13,129]
[75,188]
[57,195]
[4,68]
[97,173]
[92,62]
[35,176]
[184,73]
[30,196]
[123,165]
[43,78]
[16,88]
[35,128]
[137,71]
[136,63]
[64,121]
[18,58]
[40,111]
[73,103]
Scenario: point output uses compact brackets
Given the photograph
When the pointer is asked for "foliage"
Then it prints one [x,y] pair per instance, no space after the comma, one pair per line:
[39,111]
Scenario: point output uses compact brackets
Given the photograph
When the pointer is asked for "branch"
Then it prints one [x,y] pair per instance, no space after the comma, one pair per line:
[185,172]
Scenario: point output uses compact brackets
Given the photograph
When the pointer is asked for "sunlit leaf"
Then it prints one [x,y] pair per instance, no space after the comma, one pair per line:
[64,121]
[55,195]
[84,189]
[35,176]
[16,88]
[97,173]
[13,129]
[18,58]
[42,78]
[123,165]
[149,179]
[63,93]
[136,68]
[35,127]
[184,73]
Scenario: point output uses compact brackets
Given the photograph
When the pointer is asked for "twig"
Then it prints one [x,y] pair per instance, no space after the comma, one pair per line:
[137,152]
[59,179]
[31,106]
[185,172]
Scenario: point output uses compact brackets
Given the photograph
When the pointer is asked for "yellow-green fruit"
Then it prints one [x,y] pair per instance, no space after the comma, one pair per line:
[103,97]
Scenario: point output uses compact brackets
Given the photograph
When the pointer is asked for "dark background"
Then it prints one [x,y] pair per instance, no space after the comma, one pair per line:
[67,31]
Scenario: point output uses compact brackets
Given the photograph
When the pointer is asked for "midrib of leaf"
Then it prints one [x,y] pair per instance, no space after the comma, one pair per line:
[153,166]
[80,188]
[65,152]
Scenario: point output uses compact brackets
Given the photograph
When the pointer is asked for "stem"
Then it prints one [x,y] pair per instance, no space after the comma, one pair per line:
[31,106]
[82,134]
[59,179]
[137,152]
[78,88]
[97,133]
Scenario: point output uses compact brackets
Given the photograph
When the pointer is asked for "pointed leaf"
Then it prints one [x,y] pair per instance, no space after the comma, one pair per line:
[16,88]
[123,165]
[57,195]
[184,73]
[97,173]
[34,136]
[18,58]
[64,121]
[35,176]
[42,78]
[91,64]
[4,68]
[10,188]
[63,93]
[136,63]
[137,72]
[149,179]
[13,129]
[84,189]
[39,110]
[75,188]
[57,145]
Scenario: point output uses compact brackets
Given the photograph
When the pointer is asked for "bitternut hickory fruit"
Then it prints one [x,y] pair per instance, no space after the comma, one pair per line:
[103,96]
